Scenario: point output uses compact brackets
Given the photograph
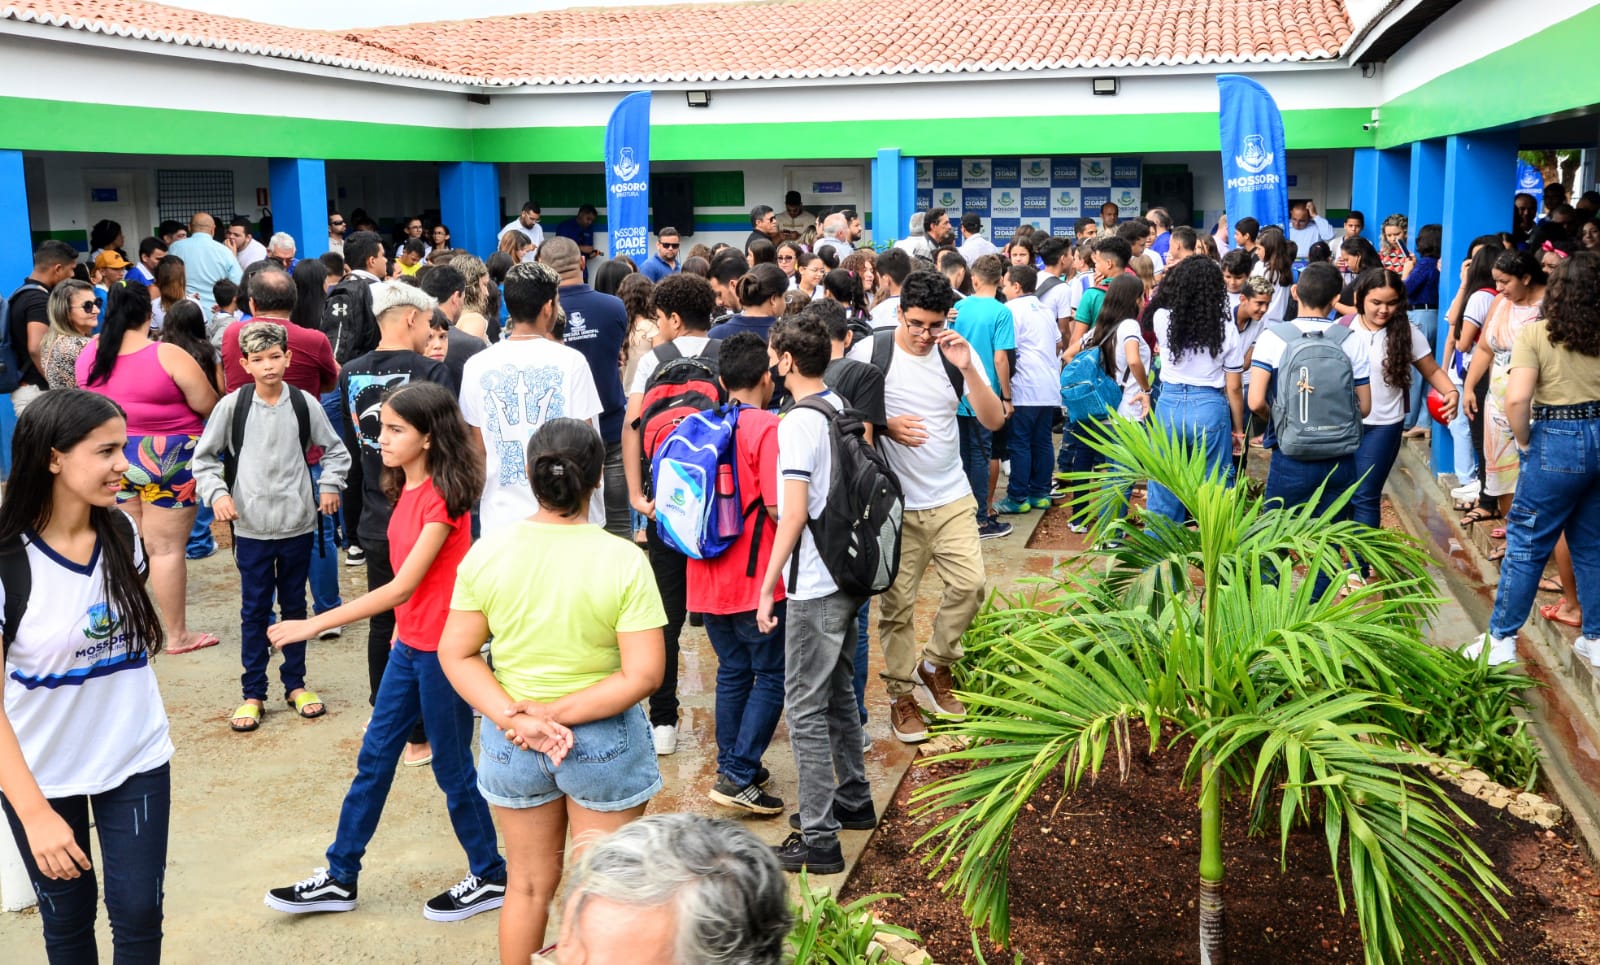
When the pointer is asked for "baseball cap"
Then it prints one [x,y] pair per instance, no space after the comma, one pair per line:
[971,222]
[110,259]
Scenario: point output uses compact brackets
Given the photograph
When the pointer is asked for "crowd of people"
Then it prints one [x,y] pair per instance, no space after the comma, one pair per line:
[507,444]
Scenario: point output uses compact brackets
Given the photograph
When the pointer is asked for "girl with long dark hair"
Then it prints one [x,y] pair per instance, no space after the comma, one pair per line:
[1552,403]
[844,287]
[433,476]
[310,293]
[167,396]
[576,622]
[83,731]
[1277,266]
[1202,361]
[761,293]
[1394,347]
[186,328]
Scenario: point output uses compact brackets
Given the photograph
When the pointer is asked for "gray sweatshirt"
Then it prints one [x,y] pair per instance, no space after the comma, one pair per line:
[273,491]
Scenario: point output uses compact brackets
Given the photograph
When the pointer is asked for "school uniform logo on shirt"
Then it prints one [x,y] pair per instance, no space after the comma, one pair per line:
[578,328]
[107,652]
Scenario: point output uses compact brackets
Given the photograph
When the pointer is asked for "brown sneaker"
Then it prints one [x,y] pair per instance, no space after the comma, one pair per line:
[938,690]
[905,719]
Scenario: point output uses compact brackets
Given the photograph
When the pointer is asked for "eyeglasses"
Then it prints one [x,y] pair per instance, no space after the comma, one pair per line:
[336,224]
[92,305]
[933,329]
[672,244]
[786,257]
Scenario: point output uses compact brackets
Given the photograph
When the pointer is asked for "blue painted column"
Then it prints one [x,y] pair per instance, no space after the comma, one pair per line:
[894,194]
[16,261]
[1426,206]
[1479,169]
[469,202]
[299,189]
[1380,181]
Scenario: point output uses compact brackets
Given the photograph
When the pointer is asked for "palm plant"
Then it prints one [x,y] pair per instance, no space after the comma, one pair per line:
[1214,632]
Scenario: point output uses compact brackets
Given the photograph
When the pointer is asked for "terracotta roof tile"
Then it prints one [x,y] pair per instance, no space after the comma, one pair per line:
[750,41]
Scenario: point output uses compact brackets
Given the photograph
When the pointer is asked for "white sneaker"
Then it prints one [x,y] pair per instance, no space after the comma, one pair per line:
[1466,490]
[1589,649]
[1501,649]
[332,633]
[666,739]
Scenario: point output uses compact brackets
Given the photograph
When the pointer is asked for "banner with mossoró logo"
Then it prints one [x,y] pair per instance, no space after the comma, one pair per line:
[628,176]
[1255,166]
[1048,193]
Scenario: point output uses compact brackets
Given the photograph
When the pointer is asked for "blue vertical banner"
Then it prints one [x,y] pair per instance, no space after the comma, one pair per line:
[628,176]
[1255,174]
[1530,180]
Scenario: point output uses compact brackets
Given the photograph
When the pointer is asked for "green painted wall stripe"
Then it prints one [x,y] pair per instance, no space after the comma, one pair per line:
[150,131]
[1509,85]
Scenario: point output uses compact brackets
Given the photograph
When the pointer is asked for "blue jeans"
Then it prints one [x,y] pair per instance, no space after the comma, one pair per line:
[1426,319]
[1558,491]
[201,543]
[749,690]
[1465,457]
[131,822]
[1374,459]
[1030,453]
[976,447]
[324,570]
[1195,416]
[414,687]
[268,568]
[1294,482]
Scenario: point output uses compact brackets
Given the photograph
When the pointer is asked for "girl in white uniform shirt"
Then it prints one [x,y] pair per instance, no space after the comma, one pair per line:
[1202,360]
[83,729]
[1394,347]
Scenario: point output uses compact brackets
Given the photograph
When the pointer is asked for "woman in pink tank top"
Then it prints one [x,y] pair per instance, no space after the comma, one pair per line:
[167,397]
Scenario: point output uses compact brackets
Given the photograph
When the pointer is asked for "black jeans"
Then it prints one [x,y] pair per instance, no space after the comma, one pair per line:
[672,579]
[380,629]
[131,821]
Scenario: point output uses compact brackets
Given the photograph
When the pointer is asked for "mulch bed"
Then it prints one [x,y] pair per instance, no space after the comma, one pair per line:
[1110,877]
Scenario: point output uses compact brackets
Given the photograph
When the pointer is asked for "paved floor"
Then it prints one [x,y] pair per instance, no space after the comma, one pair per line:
[257,811]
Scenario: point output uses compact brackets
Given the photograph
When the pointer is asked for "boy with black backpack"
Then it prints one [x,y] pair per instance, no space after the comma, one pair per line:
[264,430]
[1312,390]
[820,637]
[673,380]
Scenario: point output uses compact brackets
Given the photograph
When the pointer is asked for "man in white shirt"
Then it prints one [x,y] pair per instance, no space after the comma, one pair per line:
[528,223]
[1306,228]
[921,364]
[893,268]
[336,229]
[1354,223]
[244,247]
[1295,481]
[835,234]
[973,244]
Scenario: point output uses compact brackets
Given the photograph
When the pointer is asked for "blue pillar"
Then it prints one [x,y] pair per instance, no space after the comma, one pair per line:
[1379,184]
[469,202]
[299,189]
[894,194]
[1426,206]
[16,261]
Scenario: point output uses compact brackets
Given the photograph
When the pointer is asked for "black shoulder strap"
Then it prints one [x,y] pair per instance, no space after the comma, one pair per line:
[882,349]
[302,416]
[241,415]
[17,578]
[667,352]
[957,381]
[815,405]
[713,348]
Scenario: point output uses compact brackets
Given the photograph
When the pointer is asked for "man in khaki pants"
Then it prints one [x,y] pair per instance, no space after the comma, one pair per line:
[926,370]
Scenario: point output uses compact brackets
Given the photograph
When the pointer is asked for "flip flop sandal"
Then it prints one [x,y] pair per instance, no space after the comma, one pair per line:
[1548,585]
[201,642]
[1499,532]
[247,711]
[1549,612]
[305,699]
[1479,515]
[1497,554]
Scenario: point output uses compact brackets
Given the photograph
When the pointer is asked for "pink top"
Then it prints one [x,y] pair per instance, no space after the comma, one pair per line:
[153,401]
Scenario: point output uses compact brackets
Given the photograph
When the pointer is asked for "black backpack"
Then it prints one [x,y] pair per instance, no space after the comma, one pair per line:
[348,321]
[17,576]
[858,533]
[883,354]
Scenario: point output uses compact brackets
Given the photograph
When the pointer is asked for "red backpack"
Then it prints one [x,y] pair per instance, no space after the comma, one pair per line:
[679,387]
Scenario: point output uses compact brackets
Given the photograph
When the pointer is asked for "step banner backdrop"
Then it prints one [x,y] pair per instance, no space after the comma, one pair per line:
[1049,193]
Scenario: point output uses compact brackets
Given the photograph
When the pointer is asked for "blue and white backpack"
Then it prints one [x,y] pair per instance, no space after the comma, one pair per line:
[694,514]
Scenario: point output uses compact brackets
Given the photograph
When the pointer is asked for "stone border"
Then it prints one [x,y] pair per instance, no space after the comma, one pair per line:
[1530,807]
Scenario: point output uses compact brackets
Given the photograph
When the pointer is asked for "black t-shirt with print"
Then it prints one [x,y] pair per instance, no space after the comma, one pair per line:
[363,382]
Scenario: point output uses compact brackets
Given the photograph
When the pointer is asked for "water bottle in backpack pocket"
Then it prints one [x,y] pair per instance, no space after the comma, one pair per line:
[696,484]
[1315,412]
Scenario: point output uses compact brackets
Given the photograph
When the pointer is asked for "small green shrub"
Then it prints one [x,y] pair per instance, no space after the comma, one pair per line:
[829,933]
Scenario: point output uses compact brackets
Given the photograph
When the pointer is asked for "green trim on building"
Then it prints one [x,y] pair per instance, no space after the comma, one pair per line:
[150,131]
[1552,71]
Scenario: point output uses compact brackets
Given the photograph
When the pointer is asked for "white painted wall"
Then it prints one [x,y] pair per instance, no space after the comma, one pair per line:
[1467,32]
[65,191]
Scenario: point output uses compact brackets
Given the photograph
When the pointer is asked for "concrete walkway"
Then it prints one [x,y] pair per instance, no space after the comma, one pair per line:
[255,811]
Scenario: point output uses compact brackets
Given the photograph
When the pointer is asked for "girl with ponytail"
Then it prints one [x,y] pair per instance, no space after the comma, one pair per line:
[577,643]
[432,474]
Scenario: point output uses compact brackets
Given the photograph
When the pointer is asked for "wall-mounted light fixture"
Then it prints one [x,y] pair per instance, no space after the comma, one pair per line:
[698,98]
[1105,86]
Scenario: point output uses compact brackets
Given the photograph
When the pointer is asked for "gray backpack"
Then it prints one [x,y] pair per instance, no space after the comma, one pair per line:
[1315,412]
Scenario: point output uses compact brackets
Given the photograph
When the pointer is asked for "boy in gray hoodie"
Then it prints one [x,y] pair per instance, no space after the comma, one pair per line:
[267,494]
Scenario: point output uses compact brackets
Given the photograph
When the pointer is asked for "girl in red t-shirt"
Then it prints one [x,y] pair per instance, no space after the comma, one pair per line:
[433,475]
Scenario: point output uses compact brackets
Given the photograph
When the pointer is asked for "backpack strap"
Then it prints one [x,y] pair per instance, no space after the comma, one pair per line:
[17,578]
[241,415]
[883,355]
[830,413]
[302,417]
[666,353]
[713,348]
[1336,334]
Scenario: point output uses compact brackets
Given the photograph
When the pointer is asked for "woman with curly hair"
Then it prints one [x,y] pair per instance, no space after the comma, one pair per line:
[863,262]
[1392,252]
[1552,403]
[1201,403]
[1394,347]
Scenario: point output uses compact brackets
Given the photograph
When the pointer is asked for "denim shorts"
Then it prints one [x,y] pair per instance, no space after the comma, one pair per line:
[611,767]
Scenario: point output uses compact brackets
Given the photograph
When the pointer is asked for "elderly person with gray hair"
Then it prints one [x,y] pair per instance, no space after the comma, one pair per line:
[676,889]
[835,234]
[281,249]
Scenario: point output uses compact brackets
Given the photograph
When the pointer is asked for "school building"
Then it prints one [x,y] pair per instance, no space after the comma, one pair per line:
[1022,111]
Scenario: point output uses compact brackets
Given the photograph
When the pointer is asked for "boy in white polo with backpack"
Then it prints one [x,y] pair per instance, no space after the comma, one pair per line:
[1313,396]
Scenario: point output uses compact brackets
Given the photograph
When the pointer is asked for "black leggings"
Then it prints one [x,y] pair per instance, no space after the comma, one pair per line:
[671,572]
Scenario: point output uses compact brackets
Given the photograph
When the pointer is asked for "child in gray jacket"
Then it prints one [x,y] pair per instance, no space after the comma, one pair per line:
[267,431]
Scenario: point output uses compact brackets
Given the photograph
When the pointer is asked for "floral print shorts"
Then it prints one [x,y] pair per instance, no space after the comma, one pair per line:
[160,471]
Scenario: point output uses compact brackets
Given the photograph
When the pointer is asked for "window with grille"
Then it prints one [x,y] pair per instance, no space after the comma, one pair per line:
[179,194]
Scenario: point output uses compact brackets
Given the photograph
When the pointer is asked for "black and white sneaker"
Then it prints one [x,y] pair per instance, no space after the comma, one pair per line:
[320,892]
[794,854]
[355,556]
[749,798]
[472,895]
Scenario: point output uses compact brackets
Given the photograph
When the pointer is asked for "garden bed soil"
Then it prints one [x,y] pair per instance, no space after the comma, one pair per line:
[1110,876]
[1053,532]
